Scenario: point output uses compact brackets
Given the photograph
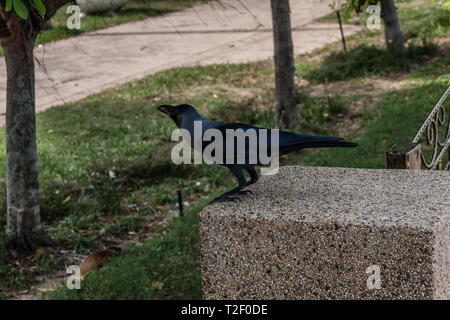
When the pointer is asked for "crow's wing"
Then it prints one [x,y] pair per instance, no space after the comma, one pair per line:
[248,149]
[287,141]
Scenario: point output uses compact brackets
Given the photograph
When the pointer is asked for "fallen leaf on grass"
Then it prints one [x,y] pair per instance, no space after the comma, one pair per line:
[66,200]
[95,260]
[162,208]
[153,97]
[39,252]
[158,285]
[150,225]
[45,289]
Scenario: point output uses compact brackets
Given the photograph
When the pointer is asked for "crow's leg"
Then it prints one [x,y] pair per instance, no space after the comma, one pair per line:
[253,175]
[239,174]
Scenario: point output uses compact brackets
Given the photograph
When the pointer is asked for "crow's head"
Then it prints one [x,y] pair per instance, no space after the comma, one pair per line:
[178,112]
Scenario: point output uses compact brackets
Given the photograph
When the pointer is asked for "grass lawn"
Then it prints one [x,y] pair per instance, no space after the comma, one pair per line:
[133,10]
[106,177]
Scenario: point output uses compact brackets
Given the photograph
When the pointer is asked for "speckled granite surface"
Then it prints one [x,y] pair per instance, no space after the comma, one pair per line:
[311,233]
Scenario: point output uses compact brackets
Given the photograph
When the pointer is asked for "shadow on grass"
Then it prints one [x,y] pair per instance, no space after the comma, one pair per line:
[103,191]
[366,60]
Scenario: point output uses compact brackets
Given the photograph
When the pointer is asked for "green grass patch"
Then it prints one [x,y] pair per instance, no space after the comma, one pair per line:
[366,60]
[367,54]
[397,118]
[166,267]
[419,19]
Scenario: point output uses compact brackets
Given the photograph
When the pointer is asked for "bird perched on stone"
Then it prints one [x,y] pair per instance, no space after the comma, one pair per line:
[246,153]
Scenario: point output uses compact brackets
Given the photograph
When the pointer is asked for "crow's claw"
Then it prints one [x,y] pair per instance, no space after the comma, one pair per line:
[230,197]
[234,196]
[225,199]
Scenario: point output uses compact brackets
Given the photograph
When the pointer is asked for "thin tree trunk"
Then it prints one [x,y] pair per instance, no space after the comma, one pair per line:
[47,25]
[23,216]
[286,108]
[394,37]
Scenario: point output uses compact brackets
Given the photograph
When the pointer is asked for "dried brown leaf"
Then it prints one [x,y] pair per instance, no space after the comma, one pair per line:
[95,260]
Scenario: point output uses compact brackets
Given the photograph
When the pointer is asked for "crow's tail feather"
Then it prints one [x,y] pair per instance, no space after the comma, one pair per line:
[317,144]
[325,144]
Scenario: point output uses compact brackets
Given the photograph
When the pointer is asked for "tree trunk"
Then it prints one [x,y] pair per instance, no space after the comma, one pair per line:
[23,216]
[394,37]
[47,25]
[286,108]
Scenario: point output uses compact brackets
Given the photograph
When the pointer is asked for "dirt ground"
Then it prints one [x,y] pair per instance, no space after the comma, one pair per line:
[231,31]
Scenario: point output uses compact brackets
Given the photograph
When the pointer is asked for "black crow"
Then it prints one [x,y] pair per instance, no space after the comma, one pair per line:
[185,117]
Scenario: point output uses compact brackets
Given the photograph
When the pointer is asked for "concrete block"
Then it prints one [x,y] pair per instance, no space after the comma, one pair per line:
[331,233]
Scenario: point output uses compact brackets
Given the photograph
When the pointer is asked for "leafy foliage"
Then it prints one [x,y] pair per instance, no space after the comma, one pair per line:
[358,5]
[22,7]
[443,4]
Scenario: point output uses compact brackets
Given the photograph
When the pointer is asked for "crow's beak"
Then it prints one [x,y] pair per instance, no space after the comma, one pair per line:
[166,109]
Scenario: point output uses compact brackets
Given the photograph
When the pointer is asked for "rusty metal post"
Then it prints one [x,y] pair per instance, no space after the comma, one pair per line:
[404,156]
